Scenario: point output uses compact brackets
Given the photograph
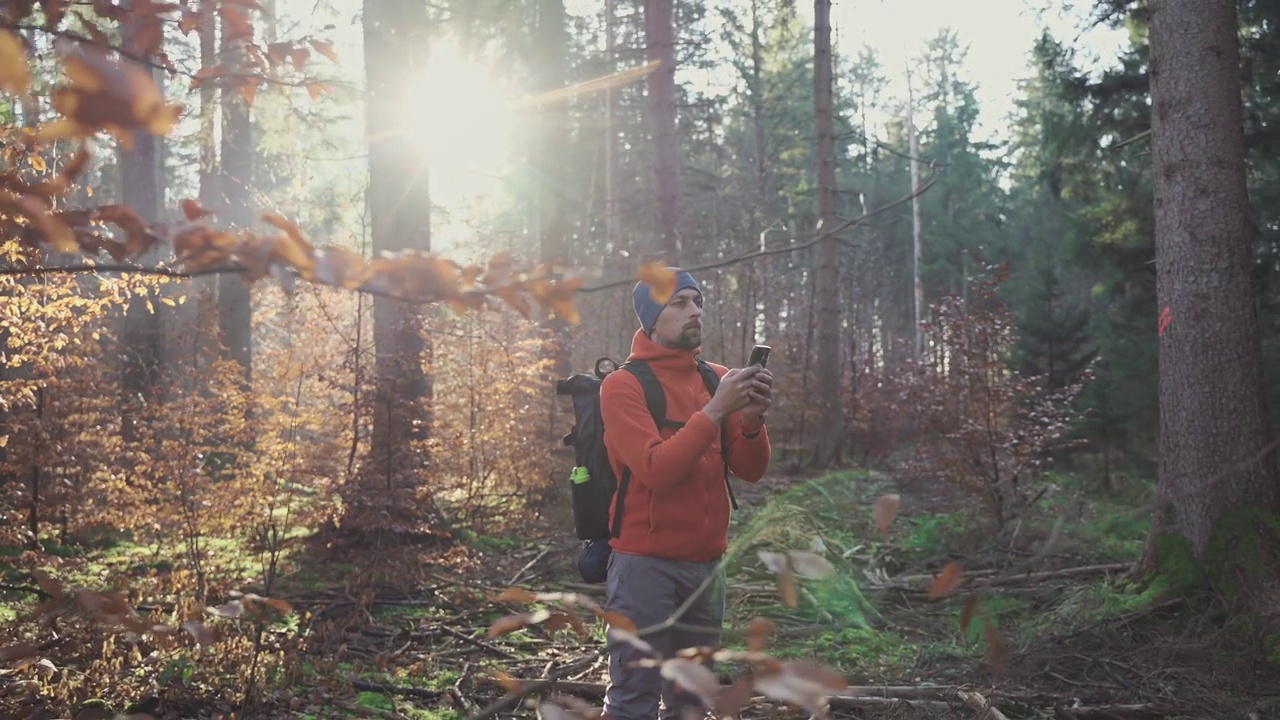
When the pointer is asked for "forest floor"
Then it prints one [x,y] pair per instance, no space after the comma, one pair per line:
[396,629]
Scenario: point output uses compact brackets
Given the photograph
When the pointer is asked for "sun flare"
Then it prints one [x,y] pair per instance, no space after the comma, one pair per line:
[459,115]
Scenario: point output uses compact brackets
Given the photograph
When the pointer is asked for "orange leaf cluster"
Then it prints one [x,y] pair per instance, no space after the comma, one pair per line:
[114,611]
[803,683]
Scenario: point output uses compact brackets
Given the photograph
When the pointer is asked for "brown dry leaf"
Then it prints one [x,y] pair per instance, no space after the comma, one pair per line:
[660,279]
[996,650]
[802,683]
[811,565]
[971,608]
[235,25]
[508,683]
[104,93]
[316,90]
[693,677]
[884,511]
[15,75]
[511,623]
[50,585]
[787,588]
[618,620]
[516,595]
[946,581]
[773,561]
[558,296]
[325,48]
[732,699]
[232,609]
[193,210]
[336,266]
[630,638]
[758,634]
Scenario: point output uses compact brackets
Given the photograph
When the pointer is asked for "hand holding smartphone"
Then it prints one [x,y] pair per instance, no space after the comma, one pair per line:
[759,356]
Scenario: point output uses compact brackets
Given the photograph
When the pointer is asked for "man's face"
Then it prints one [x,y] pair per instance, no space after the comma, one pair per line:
[679,325]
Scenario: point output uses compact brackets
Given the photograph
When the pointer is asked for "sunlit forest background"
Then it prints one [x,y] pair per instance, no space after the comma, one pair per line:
[286,287]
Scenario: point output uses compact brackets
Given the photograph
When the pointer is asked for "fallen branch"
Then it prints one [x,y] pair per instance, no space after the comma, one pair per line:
[477,643]
[397,690]
[1111,712]
[920,582]
[981,705]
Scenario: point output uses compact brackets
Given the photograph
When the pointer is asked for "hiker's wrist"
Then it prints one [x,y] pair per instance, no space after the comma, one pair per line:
[713,412]
[751,427]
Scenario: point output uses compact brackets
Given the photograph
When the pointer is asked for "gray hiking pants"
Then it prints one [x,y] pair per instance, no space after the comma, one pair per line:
[648,590]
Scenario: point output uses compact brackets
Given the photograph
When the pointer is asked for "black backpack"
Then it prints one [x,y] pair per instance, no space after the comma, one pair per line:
[592,493]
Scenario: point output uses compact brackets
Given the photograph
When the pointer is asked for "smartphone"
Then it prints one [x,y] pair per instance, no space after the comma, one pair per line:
[759,356]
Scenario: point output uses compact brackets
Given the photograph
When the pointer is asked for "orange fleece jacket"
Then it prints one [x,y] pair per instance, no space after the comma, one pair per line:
[676,506]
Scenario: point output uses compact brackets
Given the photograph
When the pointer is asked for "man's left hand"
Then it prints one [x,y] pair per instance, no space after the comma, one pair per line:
[761,398]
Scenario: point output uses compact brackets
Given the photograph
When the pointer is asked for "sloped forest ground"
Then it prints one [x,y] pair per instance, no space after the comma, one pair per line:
[387,628]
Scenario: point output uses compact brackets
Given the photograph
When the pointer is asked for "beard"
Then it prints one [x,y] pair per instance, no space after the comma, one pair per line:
[690,339]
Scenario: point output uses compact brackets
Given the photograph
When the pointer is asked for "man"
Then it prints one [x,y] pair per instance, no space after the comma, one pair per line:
[675,517]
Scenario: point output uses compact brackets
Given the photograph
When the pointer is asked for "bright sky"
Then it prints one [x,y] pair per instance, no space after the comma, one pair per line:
[463,121]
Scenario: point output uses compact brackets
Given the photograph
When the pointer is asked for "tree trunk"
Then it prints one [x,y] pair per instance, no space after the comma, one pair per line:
[659,30]
[551,151]
[1218,492]
[235,302]
[395,47]
[917,243]
[141,190]
[205,302]
[830,433]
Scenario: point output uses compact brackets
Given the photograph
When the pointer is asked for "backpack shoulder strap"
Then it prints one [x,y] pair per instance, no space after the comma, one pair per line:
[654,396]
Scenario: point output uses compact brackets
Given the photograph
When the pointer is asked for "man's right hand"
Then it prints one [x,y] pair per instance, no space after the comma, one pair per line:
[733,394]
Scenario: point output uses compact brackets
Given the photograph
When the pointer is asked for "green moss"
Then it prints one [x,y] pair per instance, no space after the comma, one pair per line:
[1240,545]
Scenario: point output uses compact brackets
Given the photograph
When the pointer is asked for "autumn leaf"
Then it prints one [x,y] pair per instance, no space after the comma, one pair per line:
[758,634]
[15,77]
[49,585]
[325,48]
[618,620]
[660,279]
[971,608]
[104,93]
[517,595]
[235,25]
[946,581]
[232,609]
[811,565]
[884,511]
[318,89]
[996,650]
[619,635]
[511,623]
[193,210]
[694,677]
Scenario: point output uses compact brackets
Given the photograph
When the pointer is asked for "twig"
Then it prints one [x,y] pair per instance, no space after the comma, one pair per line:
[979,703]
[911,582]
[516,578]
[397,690]
[478,643]
[510,699]
[462,701]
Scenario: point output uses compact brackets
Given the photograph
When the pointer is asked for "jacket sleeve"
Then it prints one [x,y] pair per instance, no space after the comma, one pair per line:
[749,457]
[631,433]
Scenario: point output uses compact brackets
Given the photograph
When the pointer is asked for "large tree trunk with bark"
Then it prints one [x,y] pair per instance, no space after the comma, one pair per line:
[660,41]
[1218,495]
[235,301]
[396,43]
[142,190]
[829,437]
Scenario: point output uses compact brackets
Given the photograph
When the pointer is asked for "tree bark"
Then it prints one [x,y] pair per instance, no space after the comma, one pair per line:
[659,29]
[830,434]
[142,190]
[1218,492]
[395,46]
[235,301]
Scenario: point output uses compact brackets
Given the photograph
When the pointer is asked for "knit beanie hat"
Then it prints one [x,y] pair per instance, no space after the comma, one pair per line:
[647,309]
